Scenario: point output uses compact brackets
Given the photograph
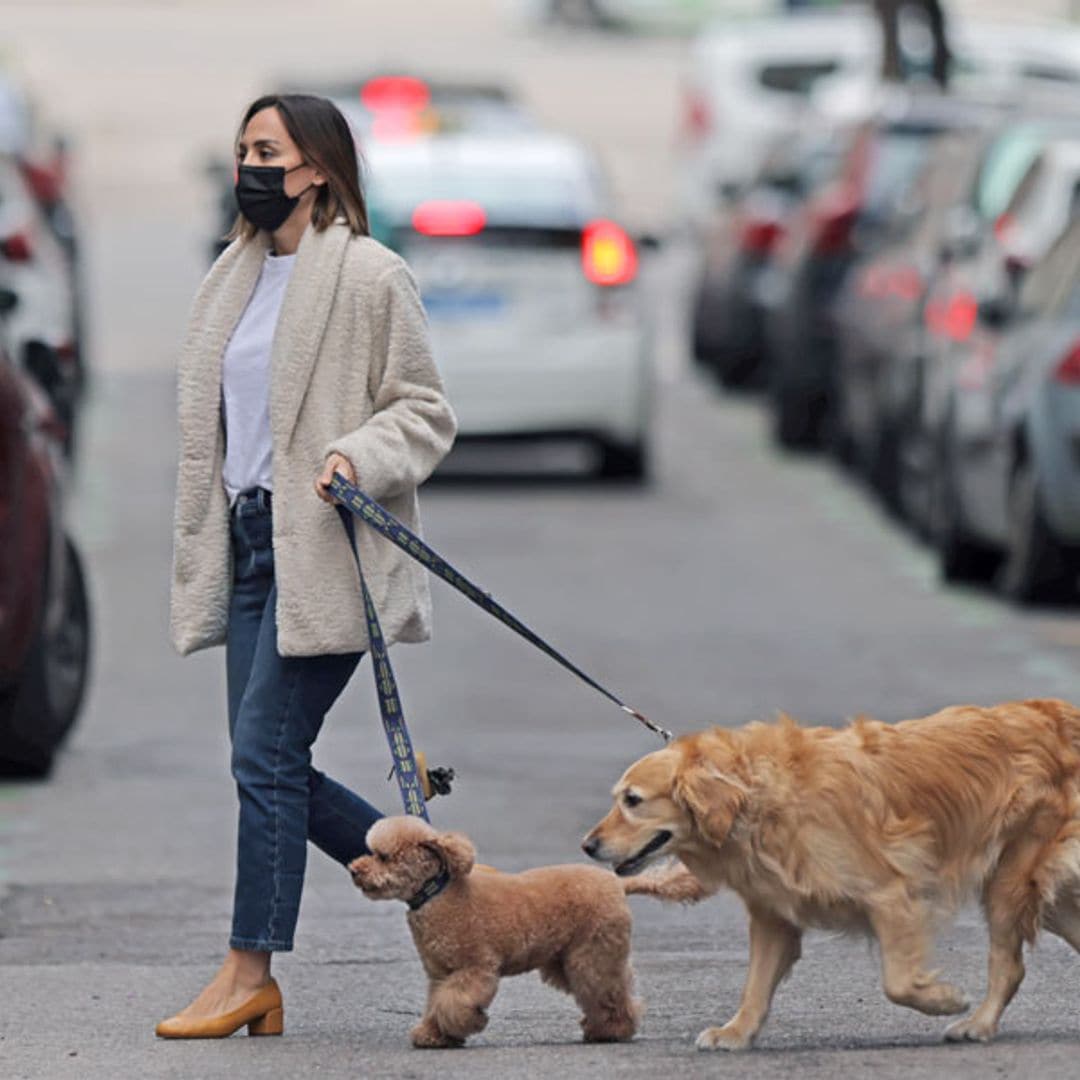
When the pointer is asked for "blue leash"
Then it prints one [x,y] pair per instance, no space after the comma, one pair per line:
[393,716]
[353,502]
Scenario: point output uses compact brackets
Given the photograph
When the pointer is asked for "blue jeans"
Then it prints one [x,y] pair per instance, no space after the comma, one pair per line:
[276,708]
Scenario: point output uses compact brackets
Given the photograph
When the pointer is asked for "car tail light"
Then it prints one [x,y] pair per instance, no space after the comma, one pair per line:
[1003,226]
[832,221]
[1068,369]
[17,247]
[449,218]
[697,116]
[759,236]
[46,183]
[608,256]
[395,92]
[959,317]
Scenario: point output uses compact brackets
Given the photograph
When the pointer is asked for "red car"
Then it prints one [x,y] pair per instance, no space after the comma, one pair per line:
[44,617]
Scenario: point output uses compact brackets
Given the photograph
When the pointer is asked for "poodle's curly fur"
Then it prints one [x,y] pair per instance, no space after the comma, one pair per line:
[571,923]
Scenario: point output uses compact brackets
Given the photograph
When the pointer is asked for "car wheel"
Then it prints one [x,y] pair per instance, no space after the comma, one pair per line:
[1037,566]
[961,558]
[884,472]
[796,424]
[622,462]
[38,712]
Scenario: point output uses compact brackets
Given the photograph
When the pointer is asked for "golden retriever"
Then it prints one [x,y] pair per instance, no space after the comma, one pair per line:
[872,828]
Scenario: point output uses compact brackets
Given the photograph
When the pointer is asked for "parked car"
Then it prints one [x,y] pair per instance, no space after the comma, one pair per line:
[43,329]
[979,262]
[847,218]
[740,242]
[537,323]
[393,105]
[1010,448]
[880,312]
[44,616]
[749,83]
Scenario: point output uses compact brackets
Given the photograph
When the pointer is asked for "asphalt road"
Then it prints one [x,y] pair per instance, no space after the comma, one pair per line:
[738,584]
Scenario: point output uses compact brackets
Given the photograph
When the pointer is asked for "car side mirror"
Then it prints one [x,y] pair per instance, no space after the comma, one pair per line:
[9,301]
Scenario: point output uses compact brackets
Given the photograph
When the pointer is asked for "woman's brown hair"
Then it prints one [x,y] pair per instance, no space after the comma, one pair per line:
[325,140]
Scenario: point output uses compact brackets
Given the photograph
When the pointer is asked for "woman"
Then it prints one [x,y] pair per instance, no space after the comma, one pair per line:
[307,354]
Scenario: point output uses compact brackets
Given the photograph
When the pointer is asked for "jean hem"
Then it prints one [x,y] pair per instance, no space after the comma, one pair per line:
[259,945]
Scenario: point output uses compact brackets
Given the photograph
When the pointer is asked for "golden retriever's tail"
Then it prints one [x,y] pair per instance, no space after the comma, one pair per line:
[673,883]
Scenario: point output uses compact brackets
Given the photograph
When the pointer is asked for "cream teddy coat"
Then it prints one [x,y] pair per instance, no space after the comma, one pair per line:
[351,372]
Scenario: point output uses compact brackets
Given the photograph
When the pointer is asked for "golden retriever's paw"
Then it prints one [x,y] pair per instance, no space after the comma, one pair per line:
[971,1029]
[723,1038]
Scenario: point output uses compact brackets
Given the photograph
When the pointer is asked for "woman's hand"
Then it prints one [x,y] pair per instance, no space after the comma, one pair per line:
[334,463]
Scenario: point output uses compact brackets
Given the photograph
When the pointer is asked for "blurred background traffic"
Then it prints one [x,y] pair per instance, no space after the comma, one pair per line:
[600,199]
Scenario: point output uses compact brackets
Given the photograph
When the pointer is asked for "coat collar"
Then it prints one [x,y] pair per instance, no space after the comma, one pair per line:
[301,326]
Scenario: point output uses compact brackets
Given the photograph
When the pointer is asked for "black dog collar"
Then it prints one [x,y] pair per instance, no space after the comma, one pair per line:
[430,889]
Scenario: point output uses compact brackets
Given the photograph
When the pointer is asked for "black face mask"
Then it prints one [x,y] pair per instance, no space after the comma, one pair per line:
[260,194]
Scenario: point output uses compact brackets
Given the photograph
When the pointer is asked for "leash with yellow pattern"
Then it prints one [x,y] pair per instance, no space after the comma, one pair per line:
[355,504]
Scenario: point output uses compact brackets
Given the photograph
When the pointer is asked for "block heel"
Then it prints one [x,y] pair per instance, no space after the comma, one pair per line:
[273,1023]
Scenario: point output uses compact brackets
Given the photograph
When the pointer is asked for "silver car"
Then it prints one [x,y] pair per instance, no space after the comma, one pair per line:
[1016,436]
[537,321]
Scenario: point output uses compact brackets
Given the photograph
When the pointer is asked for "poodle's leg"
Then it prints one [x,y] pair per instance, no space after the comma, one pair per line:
[427,1035]
[597,973]
[775,945]
[554,974]
[457,1007]
[901,925]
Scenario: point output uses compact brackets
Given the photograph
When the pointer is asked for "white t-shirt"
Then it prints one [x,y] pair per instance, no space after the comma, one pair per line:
[245,383]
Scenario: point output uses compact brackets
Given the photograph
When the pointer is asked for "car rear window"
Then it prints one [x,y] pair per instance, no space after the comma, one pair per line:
[795,77]
[895,162]
[509,196]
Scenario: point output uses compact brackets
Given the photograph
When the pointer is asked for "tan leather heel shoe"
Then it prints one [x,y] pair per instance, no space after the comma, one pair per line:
[263,1013]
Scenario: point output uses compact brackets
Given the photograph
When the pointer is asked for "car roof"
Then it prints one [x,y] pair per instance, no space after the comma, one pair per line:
[805,33]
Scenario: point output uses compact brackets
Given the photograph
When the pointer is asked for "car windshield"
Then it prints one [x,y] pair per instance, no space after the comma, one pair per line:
[1007,162]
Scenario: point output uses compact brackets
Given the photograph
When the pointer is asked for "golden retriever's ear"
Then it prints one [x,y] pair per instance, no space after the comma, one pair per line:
[712,797]
[456,850]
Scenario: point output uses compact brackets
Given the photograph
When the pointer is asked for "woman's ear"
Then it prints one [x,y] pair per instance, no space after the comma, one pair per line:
[713,799]
[456,850]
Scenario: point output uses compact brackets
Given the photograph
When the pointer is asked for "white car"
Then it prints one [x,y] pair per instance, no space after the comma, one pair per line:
[537,321]
[749,83]
[1007,63]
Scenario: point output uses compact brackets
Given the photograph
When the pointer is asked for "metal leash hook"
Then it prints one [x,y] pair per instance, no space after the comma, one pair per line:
[656,729]
[434,781]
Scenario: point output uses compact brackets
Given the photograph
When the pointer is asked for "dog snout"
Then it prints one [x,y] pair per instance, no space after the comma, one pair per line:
[591,846]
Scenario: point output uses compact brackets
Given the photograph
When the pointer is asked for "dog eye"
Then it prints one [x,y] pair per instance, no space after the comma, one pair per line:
[380,855]
[631,798]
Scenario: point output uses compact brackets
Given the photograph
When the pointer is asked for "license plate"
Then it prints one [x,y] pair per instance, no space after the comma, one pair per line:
[455,304]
